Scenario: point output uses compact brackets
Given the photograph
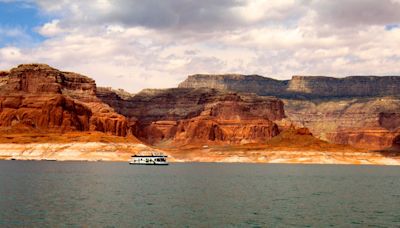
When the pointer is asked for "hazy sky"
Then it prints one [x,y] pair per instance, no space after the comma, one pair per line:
[136,44]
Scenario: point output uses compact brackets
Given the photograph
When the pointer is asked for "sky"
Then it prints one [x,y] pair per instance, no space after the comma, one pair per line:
[136,44]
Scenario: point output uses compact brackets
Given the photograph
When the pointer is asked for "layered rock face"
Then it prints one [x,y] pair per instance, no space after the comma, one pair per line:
[299,86]
[43,112]
[362,122]
[236,82]
[362,111]
[39,98]
[36,97]
[199,116]
[207,121]
[352,86]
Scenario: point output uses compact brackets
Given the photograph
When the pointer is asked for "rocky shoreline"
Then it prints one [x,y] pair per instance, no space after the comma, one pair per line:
[121,152]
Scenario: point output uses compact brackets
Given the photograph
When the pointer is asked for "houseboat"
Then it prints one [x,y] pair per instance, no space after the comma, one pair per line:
[149,159]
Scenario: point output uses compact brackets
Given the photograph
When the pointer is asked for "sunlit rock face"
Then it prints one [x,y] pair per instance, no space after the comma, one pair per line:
[362,111]
[207,109]
[203,116]
[38,97]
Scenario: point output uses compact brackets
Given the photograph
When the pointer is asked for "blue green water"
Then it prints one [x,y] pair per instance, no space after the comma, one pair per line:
[84,194]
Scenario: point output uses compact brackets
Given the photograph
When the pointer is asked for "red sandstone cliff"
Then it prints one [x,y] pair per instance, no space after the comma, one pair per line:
[39,98]
[36,97]
[195,124]
[199,116]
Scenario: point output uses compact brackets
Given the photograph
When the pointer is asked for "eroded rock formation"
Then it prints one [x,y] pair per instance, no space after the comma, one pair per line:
[199,116]
[363,111]
[210,118]
[360,111]
[36,97]
[52,112]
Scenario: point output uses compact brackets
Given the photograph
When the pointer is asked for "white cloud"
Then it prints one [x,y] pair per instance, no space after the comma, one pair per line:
[10,53]
[51,28]
[141,44]
[260,10]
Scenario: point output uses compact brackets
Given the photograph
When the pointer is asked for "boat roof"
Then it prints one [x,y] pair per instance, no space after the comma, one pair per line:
[149,156]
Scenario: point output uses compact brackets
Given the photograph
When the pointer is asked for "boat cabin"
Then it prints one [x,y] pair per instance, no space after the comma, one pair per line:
[152,159]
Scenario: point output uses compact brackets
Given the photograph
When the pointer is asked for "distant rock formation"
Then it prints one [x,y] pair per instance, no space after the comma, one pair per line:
[369,122]
[362,111]
[299,86]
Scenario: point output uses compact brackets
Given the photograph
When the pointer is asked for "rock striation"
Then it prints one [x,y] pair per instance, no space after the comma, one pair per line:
[198,116]
[362,111]
[43,112]
[209,118]
[236,82]
[37,97]
[299,86]
[205,109]
[362,122]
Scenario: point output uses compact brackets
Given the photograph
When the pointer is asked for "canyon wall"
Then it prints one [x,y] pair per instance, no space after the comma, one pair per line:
[50,114]
[198,116]
[36,97]
[39,98]
[206,109]
[362,111]
[367,122]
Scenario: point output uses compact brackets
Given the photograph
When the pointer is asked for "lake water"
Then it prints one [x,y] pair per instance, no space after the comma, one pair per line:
[76,194]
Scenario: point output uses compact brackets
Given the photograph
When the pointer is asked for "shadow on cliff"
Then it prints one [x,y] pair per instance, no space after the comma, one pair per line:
[394,150]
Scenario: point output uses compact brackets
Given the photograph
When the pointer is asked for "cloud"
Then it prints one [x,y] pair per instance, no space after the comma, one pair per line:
[188,15]
[11,53]
[167,14]
[51,28]
[349,13]
[142,44]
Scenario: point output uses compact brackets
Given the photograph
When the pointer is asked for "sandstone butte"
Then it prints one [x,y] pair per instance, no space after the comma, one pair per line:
[46,113]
